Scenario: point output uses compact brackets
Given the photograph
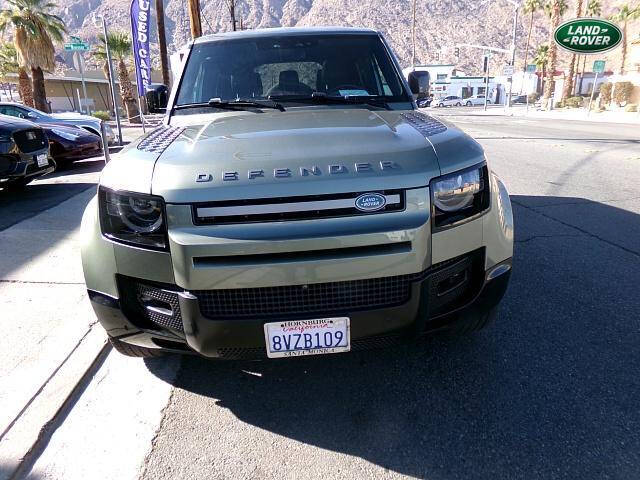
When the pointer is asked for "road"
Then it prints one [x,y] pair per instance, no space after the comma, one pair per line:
[549,391]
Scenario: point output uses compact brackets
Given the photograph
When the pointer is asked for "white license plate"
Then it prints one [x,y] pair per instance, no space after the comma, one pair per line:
[42,160]
[307,337]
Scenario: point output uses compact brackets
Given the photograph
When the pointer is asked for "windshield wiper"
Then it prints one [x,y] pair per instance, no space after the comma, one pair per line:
[323,98]
[239,104]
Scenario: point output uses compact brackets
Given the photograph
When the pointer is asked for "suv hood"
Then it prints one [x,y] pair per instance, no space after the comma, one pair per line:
[300,152]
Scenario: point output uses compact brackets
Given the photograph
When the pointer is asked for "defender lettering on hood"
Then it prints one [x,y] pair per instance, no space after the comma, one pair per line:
[334,169]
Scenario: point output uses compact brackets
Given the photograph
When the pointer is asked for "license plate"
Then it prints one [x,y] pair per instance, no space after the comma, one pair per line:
[307,337]
[42,160]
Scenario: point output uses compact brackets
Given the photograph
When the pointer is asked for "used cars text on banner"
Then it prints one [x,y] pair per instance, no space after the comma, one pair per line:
[140,13]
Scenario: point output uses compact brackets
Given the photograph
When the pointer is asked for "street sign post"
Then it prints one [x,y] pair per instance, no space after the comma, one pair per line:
[598,67]
[507,70]
[77,46]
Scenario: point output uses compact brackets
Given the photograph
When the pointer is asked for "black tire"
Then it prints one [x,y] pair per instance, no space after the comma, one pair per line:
[129,350]
[469,104]
[459,104]
[19,184]
[441,105]
[472,321]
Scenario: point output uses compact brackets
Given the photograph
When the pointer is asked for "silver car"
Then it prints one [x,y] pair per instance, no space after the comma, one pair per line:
[475,100]
[295,202]
[87,122]
[449,101]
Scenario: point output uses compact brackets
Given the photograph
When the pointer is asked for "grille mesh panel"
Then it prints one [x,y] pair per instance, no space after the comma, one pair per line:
[172,321]
[325,298]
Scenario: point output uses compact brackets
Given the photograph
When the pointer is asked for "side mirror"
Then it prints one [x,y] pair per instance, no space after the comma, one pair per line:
[419,83]
[157,97]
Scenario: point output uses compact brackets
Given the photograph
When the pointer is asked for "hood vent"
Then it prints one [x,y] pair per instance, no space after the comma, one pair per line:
[159,139]
[425,124]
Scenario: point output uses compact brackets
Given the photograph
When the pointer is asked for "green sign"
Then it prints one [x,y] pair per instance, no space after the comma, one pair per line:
[598,66]
[77,47]
[588,35]
[531,68]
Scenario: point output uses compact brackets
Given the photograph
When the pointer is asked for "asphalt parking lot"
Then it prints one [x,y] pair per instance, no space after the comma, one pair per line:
[549,391]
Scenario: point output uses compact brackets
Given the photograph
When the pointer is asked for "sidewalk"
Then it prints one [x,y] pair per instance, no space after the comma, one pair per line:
[579,114]
[50,338]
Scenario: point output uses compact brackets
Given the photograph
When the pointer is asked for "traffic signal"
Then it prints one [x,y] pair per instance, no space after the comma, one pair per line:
[485,67]
[457,51]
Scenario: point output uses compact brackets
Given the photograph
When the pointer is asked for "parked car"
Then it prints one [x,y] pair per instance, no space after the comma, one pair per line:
[519,99]
[24,152]
[449,101]
[424,101]
[475,100]
[87,122]
[245,226]
[68,143]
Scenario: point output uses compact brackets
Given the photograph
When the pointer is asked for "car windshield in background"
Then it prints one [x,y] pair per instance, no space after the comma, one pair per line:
[291,68]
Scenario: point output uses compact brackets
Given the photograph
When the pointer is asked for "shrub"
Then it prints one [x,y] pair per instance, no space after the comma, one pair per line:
[622,92]
[102,115]
[573,102]
[631,107]
[605,93]
[533,97]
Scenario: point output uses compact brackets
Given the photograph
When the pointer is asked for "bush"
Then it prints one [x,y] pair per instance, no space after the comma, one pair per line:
[573,102]
[533,97]
[605,93]
[622,92]
[631,107]
[102,115]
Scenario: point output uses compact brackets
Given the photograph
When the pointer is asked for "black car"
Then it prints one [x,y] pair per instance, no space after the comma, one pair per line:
[520,99]
[68,143]
[24,152]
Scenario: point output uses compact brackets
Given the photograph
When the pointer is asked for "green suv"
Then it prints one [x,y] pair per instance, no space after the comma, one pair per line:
[294,202]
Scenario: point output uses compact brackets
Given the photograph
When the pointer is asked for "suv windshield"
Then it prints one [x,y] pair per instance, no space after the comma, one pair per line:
[293,68]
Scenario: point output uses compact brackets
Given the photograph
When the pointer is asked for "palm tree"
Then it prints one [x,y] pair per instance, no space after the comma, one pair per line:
[625,14]
[594,9]
[35,31]
[554,9]
[530,7]
[541,59]
[8,60]
[568,82]
[120,48]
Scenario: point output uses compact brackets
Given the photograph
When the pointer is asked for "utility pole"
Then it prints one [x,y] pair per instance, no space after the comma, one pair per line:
[413,34]
[516,5]
[194,18]
[162,42]
[231,5]
[486,79]
[113,85]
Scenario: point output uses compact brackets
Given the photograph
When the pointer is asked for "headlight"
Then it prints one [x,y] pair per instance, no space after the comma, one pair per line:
[460,195]
[64,134]
[133,218]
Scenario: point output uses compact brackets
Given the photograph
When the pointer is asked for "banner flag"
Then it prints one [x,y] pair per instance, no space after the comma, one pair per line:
[140,13]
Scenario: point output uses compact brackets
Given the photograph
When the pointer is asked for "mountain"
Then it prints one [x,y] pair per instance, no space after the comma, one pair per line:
[440,23]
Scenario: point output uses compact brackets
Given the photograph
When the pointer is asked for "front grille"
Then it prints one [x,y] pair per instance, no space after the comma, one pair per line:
[308,207]
[319,298]
[30,140]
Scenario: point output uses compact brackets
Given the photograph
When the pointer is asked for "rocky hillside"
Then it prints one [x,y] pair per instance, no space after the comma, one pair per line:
[441,23]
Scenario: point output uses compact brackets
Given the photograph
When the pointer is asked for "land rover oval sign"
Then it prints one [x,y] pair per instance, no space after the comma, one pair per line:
[588,35]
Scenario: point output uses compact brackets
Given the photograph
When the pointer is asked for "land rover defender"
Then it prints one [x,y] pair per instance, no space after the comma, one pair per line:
[294,201]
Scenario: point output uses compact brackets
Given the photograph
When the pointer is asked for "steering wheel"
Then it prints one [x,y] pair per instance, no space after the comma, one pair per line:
[346,86]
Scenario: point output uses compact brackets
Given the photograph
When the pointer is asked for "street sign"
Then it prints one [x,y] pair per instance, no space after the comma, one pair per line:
[531,68]
[598,66]
[76,45]
[507,70]
[588,35]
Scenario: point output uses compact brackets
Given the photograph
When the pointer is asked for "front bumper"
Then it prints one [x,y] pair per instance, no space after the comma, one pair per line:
[24,165]
[177,320]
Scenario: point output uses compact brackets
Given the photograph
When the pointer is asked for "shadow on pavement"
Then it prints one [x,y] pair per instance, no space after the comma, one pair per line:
[16,206]
[549,391]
